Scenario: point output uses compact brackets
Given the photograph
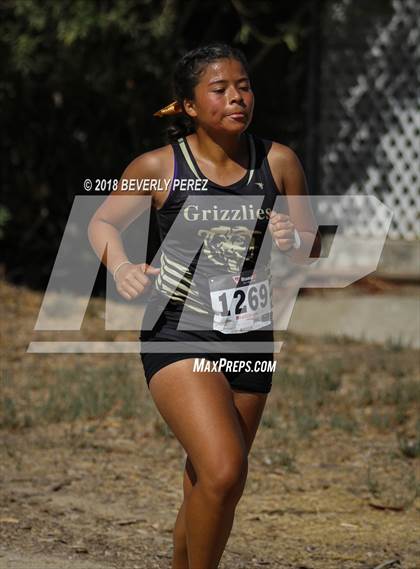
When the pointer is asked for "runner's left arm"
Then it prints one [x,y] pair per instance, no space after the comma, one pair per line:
[300,215]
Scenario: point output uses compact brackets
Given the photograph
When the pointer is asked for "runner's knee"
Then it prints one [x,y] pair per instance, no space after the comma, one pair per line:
[226,480]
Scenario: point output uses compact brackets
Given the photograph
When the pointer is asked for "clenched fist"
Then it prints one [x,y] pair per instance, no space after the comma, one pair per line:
[131,279]
[282,230]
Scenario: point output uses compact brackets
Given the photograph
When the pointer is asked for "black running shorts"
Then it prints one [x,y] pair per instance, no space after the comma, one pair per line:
[258,379]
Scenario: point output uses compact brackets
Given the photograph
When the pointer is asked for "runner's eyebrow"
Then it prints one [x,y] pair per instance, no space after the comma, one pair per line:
[226,81]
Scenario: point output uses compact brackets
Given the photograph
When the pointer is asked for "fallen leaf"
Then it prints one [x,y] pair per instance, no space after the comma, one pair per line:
[9,520]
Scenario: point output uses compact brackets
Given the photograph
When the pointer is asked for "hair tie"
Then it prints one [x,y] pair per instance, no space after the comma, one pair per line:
[173,108]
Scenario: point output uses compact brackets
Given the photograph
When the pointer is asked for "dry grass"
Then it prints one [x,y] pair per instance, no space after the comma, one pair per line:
[88,463]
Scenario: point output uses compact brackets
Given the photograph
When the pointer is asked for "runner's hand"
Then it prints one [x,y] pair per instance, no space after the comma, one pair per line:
[282,230]
[131,280]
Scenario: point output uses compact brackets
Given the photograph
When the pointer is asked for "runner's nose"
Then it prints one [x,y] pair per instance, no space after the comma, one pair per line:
[235,96]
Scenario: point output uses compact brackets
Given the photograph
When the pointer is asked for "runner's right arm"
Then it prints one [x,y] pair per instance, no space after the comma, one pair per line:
[113,217]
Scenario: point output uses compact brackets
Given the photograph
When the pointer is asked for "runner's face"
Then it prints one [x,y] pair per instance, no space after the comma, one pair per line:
[224,89]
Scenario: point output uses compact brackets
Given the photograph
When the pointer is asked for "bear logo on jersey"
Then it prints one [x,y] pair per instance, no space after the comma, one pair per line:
[228,246]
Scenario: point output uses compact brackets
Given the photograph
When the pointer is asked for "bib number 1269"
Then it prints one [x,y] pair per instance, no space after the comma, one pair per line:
[241,302]
[253,297]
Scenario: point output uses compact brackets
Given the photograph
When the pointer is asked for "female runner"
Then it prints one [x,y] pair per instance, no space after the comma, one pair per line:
[214,414]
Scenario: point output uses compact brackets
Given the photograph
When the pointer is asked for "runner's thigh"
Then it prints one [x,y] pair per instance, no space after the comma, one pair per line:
[199,409]
[250,407]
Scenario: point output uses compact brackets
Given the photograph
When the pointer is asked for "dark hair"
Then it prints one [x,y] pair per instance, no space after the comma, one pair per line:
[186,76]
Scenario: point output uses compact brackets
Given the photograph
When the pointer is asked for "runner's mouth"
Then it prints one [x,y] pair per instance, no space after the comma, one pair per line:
[237,116]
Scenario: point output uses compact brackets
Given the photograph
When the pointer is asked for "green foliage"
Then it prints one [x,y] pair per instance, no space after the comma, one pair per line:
[5,216]
[81,80]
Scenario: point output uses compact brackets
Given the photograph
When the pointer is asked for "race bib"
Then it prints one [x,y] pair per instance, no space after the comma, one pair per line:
[241,302]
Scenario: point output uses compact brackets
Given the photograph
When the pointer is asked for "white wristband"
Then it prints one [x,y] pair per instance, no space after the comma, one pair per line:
[120,265]
[297,242]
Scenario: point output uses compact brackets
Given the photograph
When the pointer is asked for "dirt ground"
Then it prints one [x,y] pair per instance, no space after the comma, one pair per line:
[90,477]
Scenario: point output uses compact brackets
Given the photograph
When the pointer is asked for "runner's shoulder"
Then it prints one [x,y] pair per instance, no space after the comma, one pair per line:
[280,153]
[151,164]
[282,159]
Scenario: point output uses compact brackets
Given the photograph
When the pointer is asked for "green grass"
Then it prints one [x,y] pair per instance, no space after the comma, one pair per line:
[268,421]
[313,384]
[394,344]
[410,446]
[8,413]
[161,429]
[365,395]
[381,421]
[307,392]
[344,423]
[79,392]
[305,420]
[89,393]
[401,392]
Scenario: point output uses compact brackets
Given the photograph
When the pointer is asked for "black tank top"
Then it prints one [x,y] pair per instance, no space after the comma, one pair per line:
[210,232]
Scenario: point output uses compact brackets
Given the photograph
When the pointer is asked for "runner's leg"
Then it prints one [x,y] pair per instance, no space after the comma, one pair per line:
[249,408]
[199,408]
[180,555]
